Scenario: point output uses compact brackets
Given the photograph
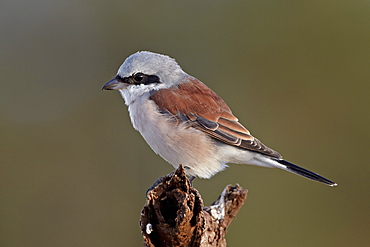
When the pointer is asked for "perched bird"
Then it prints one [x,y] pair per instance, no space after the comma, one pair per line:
[186,123]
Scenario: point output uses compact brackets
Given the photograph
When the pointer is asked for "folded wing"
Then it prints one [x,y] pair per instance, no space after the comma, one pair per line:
[193,102]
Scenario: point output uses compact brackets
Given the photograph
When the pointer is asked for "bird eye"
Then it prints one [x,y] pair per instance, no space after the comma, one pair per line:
[138,77]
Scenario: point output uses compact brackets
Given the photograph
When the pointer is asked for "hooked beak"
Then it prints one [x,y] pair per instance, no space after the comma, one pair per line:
[114,84]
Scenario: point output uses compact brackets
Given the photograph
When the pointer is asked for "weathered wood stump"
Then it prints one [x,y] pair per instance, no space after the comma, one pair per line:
[174,214]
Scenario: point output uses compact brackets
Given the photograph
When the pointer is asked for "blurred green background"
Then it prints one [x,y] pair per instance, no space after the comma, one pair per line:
[73,170]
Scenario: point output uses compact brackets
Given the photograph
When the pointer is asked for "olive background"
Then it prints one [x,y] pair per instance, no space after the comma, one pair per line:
[73,171]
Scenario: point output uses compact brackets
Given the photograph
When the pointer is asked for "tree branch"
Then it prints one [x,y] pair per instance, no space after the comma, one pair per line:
[174,214]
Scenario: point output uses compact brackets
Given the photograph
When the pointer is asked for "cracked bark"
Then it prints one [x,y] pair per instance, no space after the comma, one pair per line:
[174,214]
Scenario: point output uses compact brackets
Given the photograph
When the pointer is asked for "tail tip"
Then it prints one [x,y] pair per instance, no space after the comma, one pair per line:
[333,185]
[305,173]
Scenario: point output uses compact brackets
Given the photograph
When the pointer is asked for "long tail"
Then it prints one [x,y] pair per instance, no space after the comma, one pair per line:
[304,172]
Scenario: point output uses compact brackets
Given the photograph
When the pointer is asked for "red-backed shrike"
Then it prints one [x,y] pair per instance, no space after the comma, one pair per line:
[186,123]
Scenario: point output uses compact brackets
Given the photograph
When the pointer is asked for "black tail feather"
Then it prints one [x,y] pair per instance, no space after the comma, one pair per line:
[305,173]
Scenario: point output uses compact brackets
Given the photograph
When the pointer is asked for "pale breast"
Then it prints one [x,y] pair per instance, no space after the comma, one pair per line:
[177,144]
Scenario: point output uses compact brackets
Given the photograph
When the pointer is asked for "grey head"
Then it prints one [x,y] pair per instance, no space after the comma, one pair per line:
[143,72]
[150,63]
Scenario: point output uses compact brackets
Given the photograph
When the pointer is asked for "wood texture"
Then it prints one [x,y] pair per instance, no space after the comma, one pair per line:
[174,214]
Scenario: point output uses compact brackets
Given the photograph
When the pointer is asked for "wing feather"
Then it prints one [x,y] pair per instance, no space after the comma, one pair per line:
[193,102]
